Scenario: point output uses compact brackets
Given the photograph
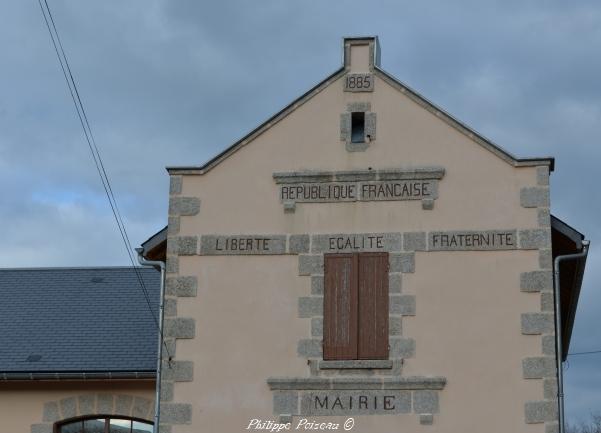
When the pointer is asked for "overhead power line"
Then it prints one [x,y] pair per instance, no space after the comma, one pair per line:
[87,130]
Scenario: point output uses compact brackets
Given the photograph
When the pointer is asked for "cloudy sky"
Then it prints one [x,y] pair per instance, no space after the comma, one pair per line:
[174,82]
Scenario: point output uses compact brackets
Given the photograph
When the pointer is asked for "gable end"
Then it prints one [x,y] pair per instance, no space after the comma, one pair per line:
[395,83]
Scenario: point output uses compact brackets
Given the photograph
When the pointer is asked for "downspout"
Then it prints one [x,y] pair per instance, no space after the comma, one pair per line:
[558,336]
[157,396]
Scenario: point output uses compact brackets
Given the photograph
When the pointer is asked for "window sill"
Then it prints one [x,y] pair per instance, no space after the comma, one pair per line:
[356,364]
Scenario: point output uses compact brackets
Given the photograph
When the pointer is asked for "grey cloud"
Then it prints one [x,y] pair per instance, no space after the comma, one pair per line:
[175,82]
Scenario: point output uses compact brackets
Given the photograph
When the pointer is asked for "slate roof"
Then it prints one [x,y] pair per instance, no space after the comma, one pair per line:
[77,320]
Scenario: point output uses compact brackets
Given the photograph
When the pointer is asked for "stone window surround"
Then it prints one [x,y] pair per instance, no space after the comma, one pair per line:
[400,305]
[292,396]
[346,126]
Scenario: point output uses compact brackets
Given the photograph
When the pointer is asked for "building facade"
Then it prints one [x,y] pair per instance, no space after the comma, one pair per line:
[363,255]
[361,261]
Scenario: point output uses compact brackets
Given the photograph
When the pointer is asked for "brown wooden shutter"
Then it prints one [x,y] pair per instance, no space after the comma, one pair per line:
[373,306]
[340,306]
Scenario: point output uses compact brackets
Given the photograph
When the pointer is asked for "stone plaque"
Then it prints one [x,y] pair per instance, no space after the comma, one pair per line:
[242,244]
[391,184]
[359,83]
[356,242]
[359,191]
[472,240]
[373,402]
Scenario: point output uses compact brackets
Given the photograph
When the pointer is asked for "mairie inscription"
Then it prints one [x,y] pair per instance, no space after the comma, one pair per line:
[356,403]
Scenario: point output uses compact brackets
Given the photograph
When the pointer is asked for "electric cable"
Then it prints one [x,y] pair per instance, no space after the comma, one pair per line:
[83,119]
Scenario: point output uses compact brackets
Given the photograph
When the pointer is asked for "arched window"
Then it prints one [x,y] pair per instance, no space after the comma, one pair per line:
[104,424]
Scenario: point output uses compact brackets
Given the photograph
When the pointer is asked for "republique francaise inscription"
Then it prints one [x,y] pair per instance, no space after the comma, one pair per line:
[359,191]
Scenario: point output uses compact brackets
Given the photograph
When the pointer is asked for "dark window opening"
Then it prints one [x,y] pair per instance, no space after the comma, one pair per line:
[358,127]
[103,424]
[355,306]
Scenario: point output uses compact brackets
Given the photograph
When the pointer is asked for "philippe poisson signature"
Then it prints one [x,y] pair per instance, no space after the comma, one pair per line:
[302,424]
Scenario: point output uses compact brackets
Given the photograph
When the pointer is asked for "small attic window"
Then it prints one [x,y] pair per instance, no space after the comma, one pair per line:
[358,127]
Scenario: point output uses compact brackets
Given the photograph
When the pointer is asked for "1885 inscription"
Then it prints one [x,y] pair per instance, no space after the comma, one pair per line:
[359,83]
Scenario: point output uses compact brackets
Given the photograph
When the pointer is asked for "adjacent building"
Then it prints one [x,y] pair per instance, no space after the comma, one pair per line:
[78,348]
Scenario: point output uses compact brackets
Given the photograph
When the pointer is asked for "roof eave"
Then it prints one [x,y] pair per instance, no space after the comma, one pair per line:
[154,241]
[568,231]
[577,239]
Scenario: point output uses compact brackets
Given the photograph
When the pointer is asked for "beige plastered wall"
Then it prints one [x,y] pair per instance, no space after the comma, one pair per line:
[24,404]
[467,322]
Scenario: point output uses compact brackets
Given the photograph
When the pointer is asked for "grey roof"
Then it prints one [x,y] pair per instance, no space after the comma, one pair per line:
[78,320]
